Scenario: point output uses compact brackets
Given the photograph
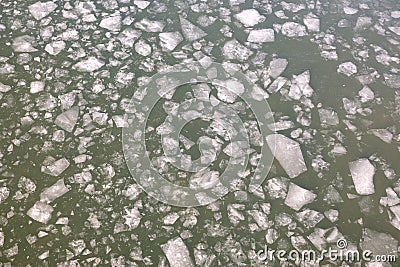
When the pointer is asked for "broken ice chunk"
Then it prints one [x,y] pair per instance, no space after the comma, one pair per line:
[347,68]
[300,86]
[4,88]
[378,243]
[40,212]
[177,253]
[36,87]
[297,197]
[261,36]
[150,25]
[191,31]
[396,30]
[293,29]
[366,94]
[40,10]
[68,119]
[53,192]
[362,172]
[141,4]
[392,80]
[89,65]
[24,43]
[312,24]
[288,153]
[328,116]
[128,37]
[111,23]
[55,47]
[54,167]
[382,134]
[170,40]
[277,66]
[249,17]
[4,193]
[235,50]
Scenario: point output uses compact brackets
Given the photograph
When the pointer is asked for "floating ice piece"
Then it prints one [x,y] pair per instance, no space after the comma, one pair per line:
[150,25]
[4,193]
[392,80]
[277,67]
[347,68]
[277,85]
[141,4]
[143,48]
[288,153]
[382,134]
[128,37]
[132,218]
[89,65]
[36,87]
[396,30]
[191,31]
[366,94]
[328,116]
[312,24]
[177,253]
[24,43]
[55,47]
[297,197]
[40,10]
[204,179]
[55,167]
[293,29]
[362,23]
[170,40]
[349,10]
[4,88]
[111,23]
[235,50]
[40,212]
[249,17]
[68,119]
[261,36]
[53,192]
[362,172]
[300,86]
[395,14]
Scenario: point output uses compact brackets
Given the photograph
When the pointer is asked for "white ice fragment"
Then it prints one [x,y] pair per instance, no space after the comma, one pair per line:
[36,87]
[362,23]
[277,67]
[89,65]
[24,43]
[55,167]
[170,40]
[120,121]
[395,14]
[288,153]
[53,192]
[55,47]
[132,218]
[249,17]
[362,172]
[171,218]
[277,85]
[235,50]
[68,119]
[300,86]
[141,4]
[328,116]
[312,24]
[293,29]
[111,23]
[177,253]
[261,36]
[4,88]
[150,25]
[40,10]
[396,30]
[382,134]
[366,94]
[4,193]
[191,31]
[128,37]
[143,48]
[347,68]
[349,10]
[40,212]
[204,179]
[297,197]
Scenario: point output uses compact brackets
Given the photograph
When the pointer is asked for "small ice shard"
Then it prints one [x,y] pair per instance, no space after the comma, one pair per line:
[297,197]
[24,43]
[4,88]
[53,192]
[396,30]
[40,10]
[191,31]
[288,153]
[54,167]
[395,14]
[277,85]
[328,117]
[170,40]
[300,86]
[36,87]
[366,94]
[362,172]
[111,23]
[150,25]
[177,253]
[293,29]
[347,68]
[68,119]
[261,36]
[277,67]
[382,134]
[141,4]
[312,24]
[349,10]
[89,65]
[132,218]
[4,193]
[235,50]
[249,17]
[55,47]
[40,212]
